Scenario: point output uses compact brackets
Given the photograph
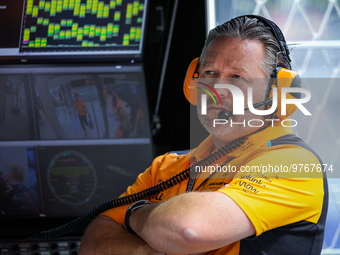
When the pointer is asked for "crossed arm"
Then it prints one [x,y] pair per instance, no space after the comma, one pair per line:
[186,224]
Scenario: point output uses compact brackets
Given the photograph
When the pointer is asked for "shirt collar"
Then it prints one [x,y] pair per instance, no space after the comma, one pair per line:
[252,142]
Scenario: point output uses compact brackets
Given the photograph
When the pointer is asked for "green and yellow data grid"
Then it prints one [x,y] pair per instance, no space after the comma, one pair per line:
[74,29]
[112,4]
[41,5]
[35,11]
[40,20]
[50,30]
[80,34]
[94,7]
[27,33]
[82,11]
[86,30]
[126,39]
[37,42]
[115,30]
[43,42]
[92,31]
[47,7]
[132,33]
[71,4]
[116,16]
[135,9]
[138,34]
[29,8]
[103,34]
[65,5]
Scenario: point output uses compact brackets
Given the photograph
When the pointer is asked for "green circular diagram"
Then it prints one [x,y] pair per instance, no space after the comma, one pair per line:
[72,178]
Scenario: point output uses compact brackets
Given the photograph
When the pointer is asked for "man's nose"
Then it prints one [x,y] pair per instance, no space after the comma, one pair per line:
[222,92]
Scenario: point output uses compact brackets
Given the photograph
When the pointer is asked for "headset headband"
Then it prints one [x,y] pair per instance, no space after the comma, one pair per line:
[277,33]
[281,77]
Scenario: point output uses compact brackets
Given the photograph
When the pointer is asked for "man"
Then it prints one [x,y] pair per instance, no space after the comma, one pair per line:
[18,199]
[82,111]
[234,212]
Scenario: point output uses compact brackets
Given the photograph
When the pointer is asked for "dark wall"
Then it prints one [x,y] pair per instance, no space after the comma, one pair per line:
[187,41]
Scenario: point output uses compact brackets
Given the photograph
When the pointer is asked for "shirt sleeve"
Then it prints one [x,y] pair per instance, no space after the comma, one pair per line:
[144,180]
[276,197]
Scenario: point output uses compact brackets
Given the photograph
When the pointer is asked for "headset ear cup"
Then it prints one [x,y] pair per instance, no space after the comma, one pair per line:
[287,79]
[191,82]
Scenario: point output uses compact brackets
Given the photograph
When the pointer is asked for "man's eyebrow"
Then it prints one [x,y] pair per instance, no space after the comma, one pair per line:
[237,69]
[211,64]
[206,64]
[241,69]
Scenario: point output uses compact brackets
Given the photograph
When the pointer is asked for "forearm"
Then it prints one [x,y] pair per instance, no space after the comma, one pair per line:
[163,228]
[192,223]
[105,236]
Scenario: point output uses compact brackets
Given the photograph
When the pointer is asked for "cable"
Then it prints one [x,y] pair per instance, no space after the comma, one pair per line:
[144,194]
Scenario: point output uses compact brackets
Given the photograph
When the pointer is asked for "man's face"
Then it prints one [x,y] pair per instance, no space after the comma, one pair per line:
[237,62]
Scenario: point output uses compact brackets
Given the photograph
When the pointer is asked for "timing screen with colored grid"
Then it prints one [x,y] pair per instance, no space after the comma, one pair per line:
[81,25]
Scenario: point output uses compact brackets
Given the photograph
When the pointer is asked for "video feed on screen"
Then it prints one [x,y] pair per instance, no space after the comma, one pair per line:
[72,103]
[19,188]
[14,115]
[82,105]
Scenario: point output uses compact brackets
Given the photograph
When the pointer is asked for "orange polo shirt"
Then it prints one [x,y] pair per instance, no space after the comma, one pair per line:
[286,205]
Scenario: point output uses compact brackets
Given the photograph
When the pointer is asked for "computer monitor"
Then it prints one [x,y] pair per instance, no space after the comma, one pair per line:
[71,138]
[72,30]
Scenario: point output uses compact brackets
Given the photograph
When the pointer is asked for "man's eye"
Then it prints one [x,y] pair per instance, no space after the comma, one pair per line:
[235,76]
[209,72]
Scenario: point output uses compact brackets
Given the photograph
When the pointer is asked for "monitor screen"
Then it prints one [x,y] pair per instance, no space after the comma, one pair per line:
[38,30]
[71,138]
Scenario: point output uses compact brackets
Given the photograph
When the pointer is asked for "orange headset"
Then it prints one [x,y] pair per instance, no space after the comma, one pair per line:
[280,78]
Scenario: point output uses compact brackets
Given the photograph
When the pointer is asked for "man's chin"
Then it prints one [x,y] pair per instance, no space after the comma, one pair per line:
[216,128]
[220,129]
